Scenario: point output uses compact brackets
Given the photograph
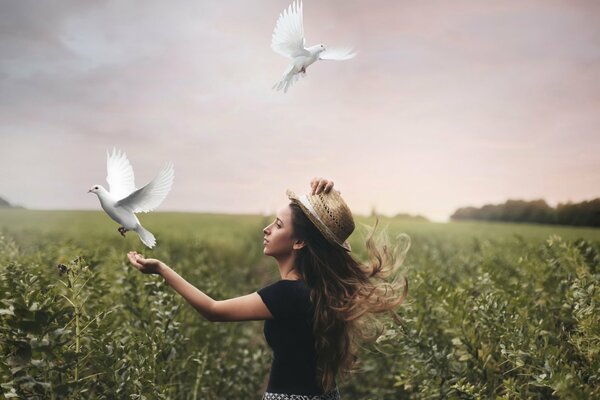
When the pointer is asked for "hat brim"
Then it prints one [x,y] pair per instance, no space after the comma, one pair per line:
[317,222]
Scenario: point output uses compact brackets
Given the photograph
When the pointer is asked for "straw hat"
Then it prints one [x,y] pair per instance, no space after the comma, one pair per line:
[329,213]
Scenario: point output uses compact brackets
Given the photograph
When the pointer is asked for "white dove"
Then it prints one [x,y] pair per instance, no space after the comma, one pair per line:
[288,40]
[124,200]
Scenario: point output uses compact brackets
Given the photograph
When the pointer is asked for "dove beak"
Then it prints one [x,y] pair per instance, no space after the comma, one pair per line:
[90,191]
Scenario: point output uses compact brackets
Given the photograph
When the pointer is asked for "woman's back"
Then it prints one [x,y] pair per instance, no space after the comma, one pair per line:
[290,336]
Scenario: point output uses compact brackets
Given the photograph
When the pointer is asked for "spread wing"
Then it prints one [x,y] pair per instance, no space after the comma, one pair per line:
[337,53]
[119,174]
[150,196]
[288,35]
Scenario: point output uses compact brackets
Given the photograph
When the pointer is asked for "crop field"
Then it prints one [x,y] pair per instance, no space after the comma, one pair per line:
[493,311]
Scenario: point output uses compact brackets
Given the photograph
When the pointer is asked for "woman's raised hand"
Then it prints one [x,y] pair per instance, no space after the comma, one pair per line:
[145,265]
[318,185]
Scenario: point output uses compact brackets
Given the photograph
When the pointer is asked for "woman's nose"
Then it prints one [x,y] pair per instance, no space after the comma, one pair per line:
[265,230]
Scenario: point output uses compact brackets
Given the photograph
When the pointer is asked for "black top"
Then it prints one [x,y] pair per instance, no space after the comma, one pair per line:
[290,336]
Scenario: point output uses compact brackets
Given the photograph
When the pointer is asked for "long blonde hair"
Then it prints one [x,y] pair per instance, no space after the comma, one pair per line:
[346,294]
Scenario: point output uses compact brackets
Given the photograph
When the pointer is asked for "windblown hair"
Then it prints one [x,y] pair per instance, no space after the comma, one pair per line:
[347,294]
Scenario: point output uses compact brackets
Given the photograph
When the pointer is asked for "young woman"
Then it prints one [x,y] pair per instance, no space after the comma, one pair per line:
[324,303]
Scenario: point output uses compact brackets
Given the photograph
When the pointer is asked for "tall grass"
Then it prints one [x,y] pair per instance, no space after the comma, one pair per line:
[494,311]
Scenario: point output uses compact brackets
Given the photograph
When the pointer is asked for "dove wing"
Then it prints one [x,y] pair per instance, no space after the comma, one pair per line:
[288,35]
[337,53]
[119,174]
[150,196]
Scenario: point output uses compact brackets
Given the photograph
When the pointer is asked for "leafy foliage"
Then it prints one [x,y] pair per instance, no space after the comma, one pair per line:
[494,311]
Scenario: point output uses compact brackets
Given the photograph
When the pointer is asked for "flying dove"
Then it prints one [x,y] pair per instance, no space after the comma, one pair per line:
[123,200]
[288,40]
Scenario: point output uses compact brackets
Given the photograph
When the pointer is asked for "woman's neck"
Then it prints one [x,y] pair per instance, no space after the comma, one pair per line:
[287,269]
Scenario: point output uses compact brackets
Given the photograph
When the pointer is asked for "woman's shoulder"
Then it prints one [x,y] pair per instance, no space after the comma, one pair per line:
[294,282]
[287,293]
[289,284]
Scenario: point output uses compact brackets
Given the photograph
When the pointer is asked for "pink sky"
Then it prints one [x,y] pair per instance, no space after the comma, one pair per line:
[447,104]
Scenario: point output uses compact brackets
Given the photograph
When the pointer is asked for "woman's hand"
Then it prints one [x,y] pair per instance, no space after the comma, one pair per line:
[145,265]
[318,185]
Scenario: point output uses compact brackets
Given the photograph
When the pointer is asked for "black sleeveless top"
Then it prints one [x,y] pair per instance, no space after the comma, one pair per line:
[290,335]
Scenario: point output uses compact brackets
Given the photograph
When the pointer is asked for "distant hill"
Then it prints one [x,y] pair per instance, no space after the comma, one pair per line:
[4,203]
[586,213]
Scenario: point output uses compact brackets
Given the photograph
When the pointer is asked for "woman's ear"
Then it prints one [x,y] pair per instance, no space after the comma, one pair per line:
[298,244]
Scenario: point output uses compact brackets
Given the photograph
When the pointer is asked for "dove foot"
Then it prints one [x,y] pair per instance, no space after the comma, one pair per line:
[122,230]
[303,70]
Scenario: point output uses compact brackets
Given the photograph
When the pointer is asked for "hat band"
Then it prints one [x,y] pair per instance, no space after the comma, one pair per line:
[304,200]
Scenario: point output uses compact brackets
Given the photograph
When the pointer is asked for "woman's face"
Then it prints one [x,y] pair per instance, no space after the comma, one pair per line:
[278,241]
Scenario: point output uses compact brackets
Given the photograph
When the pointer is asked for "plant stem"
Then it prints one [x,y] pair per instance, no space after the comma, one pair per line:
[77,332]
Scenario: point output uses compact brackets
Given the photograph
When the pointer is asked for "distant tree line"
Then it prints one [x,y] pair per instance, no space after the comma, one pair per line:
[417,217]
[586,213]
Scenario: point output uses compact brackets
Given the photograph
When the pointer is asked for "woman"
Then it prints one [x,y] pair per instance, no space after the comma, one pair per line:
[324,303]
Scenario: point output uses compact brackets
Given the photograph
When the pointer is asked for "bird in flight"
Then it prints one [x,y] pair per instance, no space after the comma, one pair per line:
[123,200]
[288,40]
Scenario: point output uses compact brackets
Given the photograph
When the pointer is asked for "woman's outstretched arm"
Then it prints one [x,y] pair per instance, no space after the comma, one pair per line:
[243,308]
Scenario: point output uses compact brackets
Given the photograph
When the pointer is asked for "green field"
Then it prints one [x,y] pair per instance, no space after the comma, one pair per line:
[493,311]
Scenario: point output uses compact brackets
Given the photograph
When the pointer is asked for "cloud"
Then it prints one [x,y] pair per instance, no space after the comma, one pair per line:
[447,104]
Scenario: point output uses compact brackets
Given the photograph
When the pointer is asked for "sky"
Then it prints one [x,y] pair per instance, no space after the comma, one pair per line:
[446,105]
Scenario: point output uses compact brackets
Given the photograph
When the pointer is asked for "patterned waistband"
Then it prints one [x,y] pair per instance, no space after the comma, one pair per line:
[332,395]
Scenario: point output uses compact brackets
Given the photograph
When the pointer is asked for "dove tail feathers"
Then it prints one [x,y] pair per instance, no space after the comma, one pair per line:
[288,78]
[146,237]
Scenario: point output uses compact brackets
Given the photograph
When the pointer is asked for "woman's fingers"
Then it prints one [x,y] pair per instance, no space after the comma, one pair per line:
[141,260]
[134,263]
[314,184]
[321,185]
[133,260]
